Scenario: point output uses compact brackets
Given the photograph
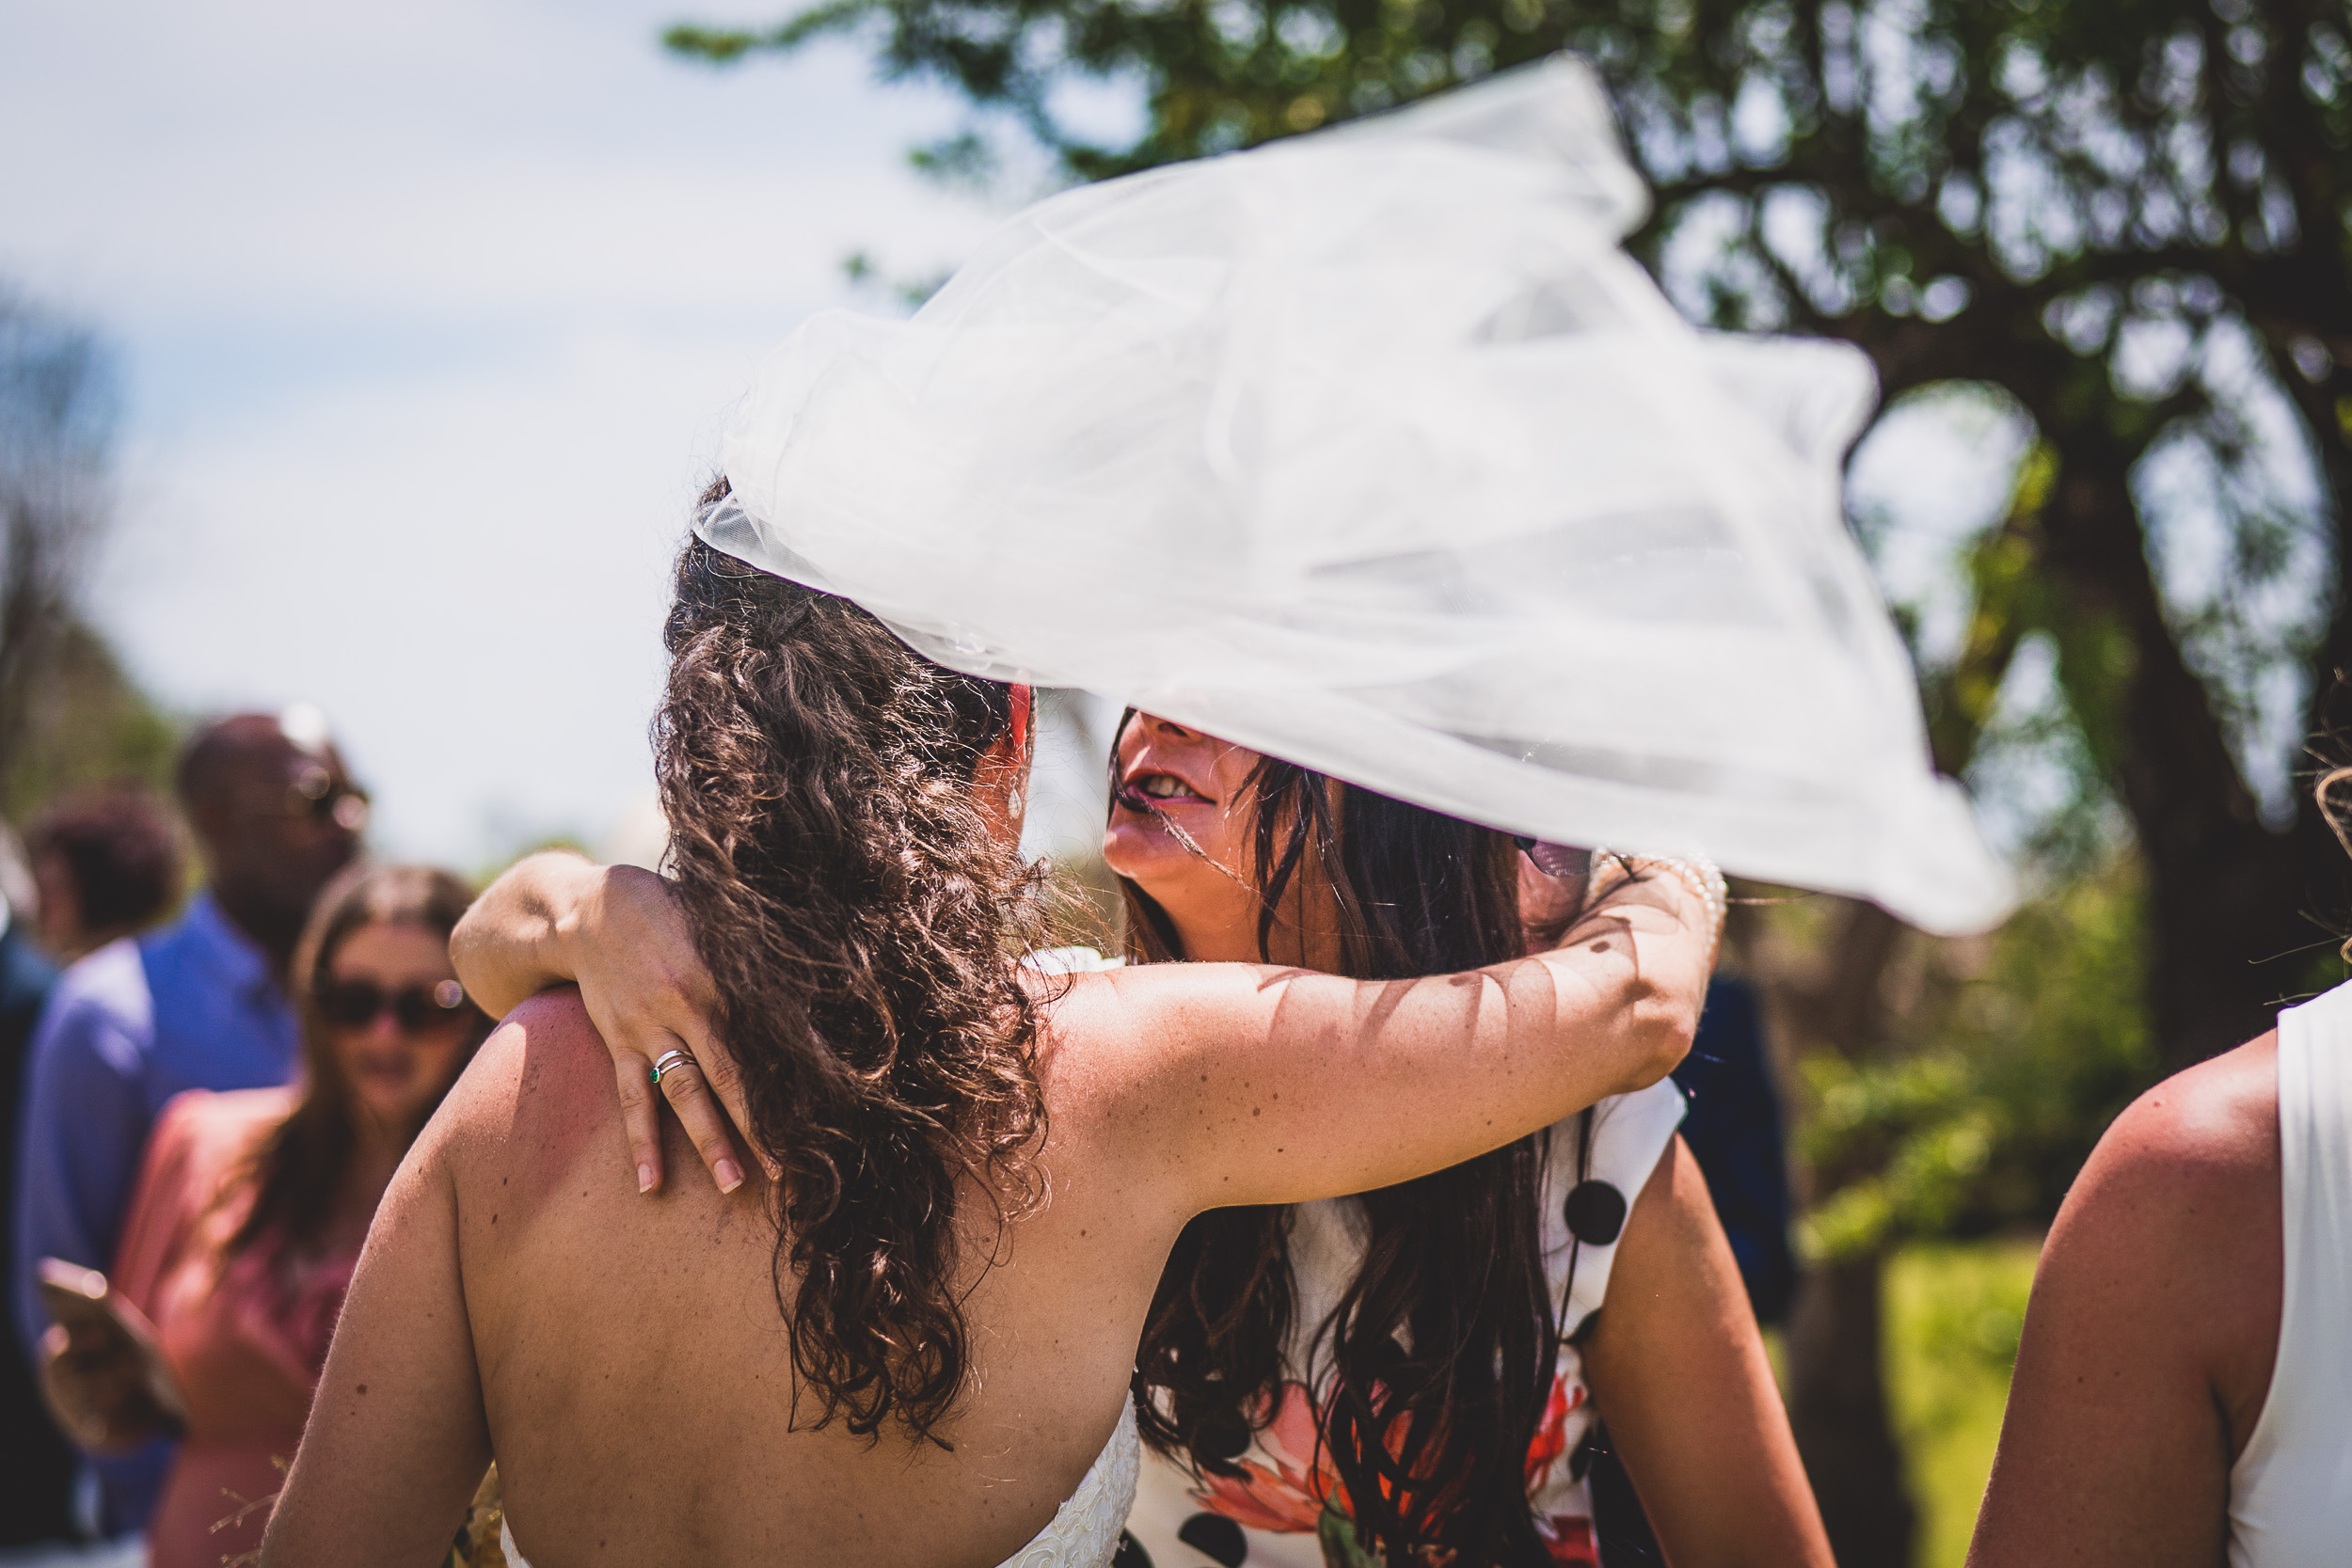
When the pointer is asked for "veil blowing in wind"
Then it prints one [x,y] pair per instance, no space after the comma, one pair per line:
[1370,449]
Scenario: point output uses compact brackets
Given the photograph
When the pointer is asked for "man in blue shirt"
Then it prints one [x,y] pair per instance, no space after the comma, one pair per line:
[199,1005]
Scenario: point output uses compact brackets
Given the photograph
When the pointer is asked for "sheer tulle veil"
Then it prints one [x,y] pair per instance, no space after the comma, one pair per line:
[1373,450]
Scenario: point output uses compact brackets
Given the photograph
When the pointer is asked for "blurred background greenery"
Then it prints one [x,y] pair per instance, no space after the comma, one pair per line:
[1954,1311]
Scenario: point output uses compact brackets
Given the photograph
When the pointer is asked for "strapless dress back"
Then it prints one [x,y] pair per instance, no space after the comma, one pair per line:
[1084,1531]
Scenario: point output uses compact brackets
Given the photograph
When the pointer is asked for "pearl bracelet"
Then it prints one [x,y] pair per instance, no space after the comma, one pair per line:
[1702,875]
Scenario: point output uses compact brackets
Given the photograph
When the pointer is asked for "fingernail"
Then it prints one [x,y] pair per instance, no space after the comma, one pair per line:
[644,1179]
[730,1176]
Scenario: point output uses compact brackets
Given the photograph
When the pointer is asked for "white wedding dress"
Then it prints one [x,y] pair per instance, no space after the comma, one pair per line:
[1083,1532]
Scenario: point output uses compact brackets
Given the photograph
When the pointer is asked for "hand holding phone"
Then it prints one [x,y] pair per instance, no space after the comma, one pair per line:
[102,1366]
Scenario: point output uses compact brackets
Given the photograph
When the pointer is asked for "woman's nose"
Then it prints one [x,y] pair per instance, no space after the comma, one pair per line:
[1154,726]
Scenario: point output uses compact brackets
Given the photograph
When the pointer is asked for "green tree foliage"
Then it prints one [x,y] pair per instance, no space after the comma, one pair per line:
[68,716]
[1981,1126]
[87,724]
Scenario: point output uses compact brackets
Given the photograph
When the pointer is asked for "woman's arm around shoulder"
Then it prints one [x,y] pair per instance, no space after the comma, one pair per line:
[557,919]
[2148,1342]
[1678,1372]
[397,1440]
[1240,1083]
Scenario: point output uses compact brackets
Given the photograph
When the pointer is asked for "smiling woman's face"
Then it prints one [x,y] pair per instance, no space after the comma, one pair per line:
[401,1056]
[1195,785]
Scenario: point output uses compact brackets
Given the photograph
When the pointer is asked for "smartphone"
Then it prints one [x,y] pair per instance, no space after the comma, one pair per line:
[99,1318]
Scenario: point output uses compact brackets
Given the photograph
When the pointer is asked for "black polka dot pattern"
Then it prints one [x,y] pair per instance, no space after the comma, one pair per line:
[1216,1538]
[1595,1212]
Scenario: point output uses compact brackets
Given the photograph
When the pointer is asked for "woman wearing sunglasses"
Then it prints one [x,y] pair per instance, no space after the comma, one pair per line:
[252,1205]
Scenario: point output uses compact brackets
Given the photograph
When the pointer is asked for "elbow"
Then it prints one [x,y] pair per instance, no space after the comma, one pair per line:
[478,951]
[467,956]
[1662,1023]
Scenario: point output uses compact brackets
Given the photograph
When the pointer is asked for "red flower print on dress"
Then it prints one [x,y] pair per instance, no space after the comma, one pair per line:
[1568,1539]
[1551,1432]
[1301,1492]
[1291,1496]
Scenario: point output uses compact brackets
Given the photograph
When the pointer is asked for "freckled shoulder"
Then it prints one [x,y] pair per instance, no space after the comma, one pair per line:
[539,1096]
[2210,1131]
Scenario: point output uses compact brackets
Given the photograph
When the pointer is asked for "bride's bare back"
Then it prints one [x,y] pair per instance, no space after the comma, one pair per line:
[636,1376]
[626,1357]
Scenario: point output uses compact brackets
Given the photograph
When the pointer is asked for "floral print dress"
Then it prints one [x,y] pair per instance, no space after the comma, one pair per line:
[1287,1508]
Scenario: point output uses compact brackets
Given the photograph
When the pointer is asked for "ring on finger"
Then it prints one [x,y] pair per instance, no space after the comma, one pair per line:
[671,1060]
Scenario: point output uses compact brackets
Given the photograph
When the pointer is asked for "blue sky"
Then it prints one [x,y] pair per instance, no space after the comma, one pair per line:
[429,315]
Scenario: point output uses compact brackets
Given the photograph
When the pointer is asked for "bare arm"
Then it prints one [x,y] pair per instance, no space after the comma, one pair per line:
[2148,1341]
[556,919]
[1678,1372]
[396,1441]
[1240,1083]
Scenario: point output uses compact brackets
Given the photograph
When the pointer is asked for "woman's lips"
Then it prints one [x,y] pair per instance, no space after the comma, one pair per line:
[1133,796]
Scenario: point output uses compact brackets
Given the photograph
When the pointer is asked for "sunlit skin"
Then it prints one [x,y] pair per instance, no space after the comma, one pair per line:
[1172,780]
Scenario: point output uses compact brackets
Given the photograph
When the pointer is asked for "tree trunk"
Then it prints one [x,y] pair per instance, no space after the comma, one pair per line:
[1838,1393]
[1837,1405]
[2227,894]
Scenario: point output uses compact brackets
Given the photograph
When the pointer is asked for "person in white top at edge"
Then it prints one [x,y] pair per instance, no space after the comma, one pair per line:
[2184,1389]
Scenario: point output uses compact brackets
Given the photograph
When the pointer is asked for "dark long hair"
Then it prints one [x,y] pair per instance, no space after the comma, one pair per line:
[858,918]
[299,1167]
[1445,1341]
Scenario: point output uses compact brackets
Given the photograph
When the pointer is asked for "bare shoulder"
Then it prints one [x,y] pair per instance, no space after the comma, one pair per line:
[2194,1157]
[2150,1335]
[2171,1246]
[539,1085]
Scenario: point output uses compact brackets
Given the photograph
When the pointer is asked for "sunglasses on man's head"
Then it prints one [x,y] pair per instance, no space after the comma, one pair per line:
[356,1004]
[318,795]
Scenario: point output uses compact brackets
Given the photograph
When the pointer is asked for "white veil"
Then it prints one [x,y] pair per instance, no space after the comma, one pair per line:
[1371,449]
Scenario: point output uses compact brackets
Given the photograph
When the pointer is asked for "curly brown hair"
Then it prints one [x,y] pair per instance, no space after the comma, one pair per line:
[858,918]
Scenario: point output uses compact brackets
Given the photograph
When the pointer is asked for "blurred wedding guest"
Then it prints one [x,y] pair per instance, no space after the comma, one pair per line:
[199,1005]
[251,1207]
[108,865]
[2184,1388]
[36,1477]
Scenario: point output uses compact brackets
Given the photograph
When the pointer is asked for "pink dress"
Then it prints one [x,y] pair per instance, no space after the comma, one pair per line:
[246,1336]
